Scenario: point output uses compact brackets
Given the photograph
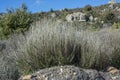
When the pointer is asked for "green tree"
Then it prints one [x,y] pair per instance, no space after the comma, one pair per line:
[17,20]
[88,8]
[51,10]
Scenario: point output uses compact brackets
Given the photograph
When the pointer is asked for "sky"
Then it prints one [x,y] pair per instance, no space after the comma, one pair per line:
[46,5]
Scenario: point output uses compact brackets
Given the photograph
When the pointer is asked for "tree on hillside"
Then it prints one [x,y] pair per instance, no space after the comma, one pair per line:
[88,8]
[16,20]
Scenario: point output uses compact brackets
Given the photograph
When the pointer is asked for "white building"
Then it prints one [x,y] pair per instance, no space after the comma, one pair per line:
[112,2]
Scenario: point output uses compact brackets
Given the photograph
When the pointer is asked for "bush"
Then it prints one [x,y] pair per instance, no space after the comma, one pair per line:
[8,68]
[49,43]
[116,58]
[53,46]
[109,17]
[60,44]
[17,20]
[116,26]
[88,8]
[51,10]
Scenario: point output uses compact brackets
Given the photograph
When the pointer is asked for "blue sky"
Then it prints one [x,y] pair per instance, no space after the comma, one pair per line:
[46,5]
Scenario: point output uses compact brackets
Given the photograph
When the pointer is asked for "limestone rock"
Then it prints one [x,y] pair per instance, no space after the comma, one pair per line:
[78,16]
[61,73]
[95,19]
[53,15]
[91,18]
[71,73]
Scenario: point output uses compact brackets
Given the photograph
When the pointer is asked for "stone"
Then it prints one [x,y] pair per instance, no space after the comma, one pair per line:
[91,18]
[114,73]
[70,72]
[78,16]
[2,46]
[118,9]
[95,19]
[107,25]
[53,15]
[111,6]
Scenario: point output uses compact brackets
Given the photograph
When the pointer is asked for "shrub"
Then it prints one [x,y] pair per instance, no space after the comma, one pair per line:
[60,44]
[49,43]
[116,26]
[116,58]
[8,68]
[109,17]
[88,8]
[94,26]
[17,20]
[51,10]
[53,46]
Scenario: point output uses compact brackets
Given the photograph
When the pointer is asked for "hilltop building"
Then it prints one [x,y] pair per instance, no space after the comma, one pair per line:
[112,2]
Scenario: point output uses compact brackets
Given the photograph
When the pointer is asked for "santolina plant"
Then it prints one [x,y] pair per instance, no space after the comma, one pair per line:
[54,43]
[51,43]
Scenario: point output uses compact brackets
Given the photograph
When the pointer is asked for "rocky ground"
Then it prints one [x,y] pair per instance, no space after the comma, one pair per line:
[73,73]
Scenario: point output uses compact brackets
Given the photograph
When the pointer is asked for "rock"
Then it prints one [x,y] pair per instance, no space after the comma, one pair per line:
[2,45]
[70,73]
[78,16]
[107,25]
[53,15]
[114,73]
[95,19]
[106,75]
[111,6]
[92,73]
[118,17]
[91,18]
[26,77]
[118,9]
[61,73]
[70,18]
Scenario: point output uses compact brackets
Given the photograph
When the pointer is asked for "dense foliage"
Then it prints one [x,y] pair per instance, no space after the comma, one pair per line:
[88,8]
[17,20]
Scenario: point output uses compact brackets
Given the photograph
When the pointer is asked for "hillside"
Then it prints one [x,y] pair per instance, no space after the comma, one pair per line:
[86,39]
[96,11]
[105,16]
